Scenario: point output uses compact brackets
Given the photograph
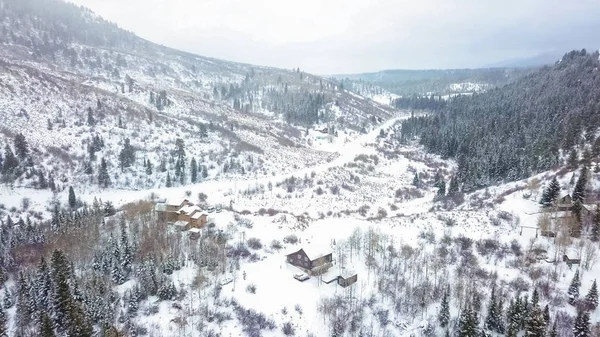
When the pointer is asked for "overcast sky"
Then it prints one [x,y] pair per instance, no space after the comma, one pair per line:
[351,36]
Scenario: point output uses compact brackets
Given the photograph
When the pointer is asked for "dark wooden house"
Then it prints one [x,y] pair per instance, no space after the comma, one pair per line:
[313,263]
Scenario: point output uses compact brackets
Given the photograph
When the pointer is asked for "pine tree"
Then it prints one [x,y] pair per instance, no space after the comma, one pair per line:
[103,177]
[553,332]
[42,183]
[573,291]
[415,181]
[536,325]
[453,188]
[3,324]
[595,235]
[547,314]
[126,253]
[7,302]
[493,319]
[62,304]
[10,163]
[467,325]
[204,171]
[46,327]
[579,191]
[193,171]
[576,210]
[21,147]
[149,168]
[72,198]
[90,117]
[573,158]
[551,193]
[535,298]
[203,131]
[168,184]
[591,299]
[441,189]
[582,325]
[444,315]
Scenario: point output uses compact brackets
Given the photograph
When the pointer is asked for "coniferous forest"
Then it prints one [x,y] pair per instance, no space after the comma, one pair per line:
[518,130]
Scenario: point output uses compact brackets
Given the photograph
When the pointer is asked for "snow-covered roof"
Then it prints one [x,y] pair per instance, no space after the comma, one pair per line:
[313,250]
[189,209]
[197,215]
[160,207]
[195,230]
[181,223]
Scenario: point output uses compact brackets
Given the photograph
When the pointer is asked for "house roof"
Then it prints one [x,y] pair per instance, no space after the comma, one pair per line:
[189,209]
[313,250]
[160,207]
[195,230]
[181,223]
[197,215]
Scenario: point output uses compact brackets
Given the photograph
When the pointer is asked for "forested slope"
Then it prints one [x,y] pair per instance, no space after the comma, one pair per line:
[515,131]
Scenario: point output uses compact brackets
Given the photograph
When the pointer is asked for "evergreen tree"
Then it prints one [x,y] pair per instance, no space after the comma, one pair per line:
[193,171]
[126,253]
[595,235]
[21,147]
[103,177]
[551,193]
[180,158]
[467,325]
[453,188]
[582,325]
[109,209]
[441,189]
[553,332]
[493,320]
[72,198]
[536,325]
[62,303]
[90,117]
[149,168]
[535,297]
[42,183]
[9,164]
[168,184]
[3,324]
[591,299]
[46,327]
[127,155]
[573,291]
[204,171]
[547,314]
[444,315]
[7,302]
[576,210]
[416,181]
[573,158]
[579,191]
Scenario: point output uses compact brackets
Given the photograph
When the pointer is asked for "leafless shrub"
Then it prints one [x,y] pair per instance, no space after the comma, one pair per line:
[254,243]
[251,288]
[276,245]
[362,210]
[291,239]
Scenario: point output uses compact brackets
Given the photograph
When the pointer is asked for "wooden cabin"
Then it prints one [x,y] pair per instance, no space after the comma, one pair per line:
[347,279]
[314,263]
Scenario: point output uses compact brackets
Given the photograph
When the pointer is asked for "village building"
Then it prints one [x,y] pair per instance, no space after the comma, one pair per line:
[313,260]
[182,214]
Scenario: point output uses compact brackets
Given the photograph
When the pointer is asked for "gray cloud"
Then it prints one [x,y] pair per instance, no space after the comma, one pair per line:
[342,36]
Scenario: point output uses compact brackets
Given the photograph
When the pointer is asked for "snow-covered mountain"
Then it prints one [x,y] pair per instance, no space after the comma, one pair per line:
[68,77]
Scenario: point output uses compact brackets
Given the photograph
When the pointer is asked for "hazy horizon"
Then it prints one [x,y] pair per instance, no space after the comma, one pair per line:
[342,37]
